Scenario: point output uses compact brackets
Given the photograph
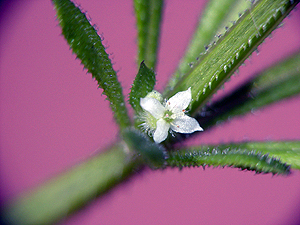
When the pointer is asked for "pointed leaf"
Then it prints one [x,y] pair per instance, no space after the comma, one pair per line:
[143,84]
[213,23]
[220,62]
[287,151]
[86,44]
[232,157]
[277,83]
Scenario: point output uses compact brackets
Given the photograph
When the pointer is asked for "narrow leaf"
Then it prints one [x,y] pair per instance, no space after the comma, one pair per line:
[287,151]
[148,19]
[232,49]
[216,20]
[277,83]
[232,157]
[72,189]
[86,44]
[143,84]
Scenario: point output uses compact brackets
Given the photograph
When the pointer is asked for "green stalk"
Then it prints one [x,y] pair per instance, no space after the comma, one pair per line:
[148,18]
[74,188]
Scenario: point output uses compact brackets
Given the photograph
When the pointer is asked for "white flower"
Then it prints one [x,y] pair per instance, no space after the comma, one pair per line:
[171,114]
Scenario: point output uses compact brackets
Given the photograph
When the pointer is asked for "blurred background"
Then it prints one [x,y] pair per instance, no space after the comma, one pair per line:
[52,116]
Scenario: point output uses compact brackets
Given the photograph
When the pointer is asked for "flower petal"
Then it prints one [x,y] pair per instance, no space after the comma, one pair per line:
[179,101]
[185,124]
[153,106]
[161,132]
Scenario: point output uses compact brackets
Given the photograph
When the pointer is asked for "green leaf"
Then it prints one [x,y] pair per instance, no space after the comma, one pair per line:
[226,156]
[86,44]
[287,151]
[73,189]
[220,62]
[276,83]
[216,20]
[148,18]
[143,84]
[153,154]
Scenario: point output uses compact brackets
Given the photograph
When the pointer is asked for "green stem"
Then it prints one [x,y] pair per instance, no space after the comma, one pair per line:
[72,189]
[148,16]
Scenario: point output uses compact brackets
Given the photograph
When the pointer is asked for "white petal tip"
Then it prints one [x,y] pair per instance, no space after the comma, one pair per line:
[197,128]
[200,129]
[159,139]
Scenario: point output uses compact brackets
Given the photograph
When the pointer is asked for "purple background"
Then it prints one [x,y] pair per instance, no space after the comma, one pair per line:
[52,116]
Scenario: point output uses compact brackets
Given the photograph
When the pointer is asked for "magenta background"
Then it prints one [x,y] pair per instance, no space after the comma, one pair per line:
[52,116]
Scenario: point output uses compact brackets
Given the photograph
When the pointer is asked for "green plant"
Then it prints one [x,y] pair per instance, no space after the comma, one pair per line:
[214,67]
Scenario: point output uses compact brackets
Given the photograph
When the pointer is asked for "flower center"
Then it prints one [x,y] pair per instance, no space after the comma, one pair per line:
[169,116]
